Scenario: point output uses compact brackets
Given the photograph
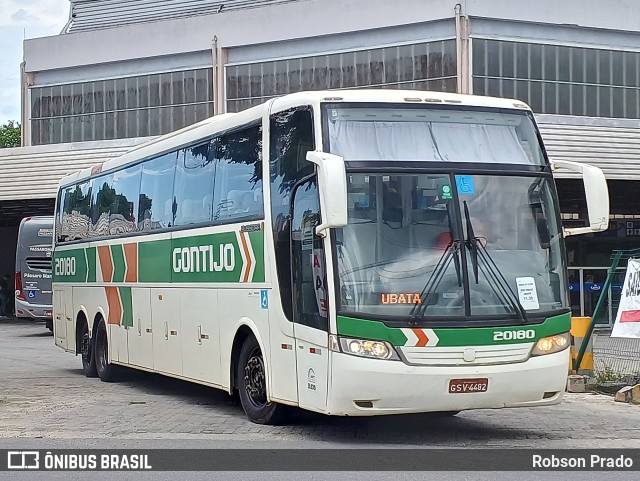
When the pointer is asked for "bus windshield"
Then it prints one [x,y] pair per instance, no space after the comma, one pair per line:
[432,133]
[439,244]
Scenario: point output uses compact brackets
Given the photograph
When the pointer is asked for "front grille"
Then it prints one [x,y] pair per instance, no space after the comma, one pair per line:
[454,356]
[39,263]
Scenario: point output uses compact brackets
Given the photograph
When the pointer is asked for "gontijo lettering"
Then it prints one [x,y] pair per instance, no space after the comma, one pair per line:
[204,258]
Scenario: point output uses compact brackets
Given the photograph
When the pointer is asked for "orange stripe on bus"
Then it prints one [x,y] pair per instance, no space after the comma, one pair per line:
[131,259]
[106,265]
[247,254]
[422,337]
[115,307]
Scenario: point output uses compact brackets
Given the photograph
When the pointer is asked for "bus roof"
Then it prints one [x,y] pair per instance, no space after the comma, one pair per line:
[222,122]
[40,219]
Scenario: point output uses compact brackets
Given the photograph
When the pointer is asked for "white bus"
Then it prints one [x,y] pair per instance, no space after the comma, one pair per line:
[357,253]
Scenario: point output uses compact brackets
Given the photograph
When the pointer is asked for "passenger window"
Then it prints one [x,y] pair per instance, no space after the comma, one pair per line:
[193,191]
[156,207]
[308,260]
[75,212]
[102,202]
[126,187]
[60,209]
[237,190]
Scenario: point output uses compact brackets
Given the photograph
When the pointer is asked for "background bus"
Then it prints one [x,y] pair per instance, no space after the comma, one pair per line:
[33,294]
[356,252]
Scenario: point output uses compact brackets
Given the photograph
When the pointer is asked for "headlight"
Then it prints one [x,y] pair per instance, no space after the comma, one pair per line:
[551,344]
[367,348]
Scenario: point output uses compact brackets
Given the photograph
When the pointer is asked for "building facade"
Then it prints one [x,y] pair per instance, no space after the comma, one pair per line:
[123,72]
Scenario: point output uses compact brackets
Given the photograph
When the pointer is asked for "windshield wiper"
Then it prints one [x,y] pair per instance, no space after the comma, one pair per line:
[451,253]
[497,282]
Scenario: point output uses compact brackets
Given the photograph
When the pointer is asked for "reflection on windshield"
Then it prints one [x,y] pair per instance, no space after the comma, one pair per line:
[405,245]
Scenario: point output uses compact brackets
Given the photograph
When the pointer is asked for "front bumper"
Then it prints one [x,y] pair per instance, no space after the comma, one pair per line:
[392,387]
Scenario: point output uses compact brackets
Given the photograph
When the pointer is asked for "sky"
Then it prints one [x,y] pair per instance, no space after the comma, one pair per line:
[20,19]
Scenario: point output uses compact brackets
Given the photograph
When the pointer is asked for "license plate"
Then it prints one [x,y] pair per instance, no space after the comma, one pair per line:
[468,385]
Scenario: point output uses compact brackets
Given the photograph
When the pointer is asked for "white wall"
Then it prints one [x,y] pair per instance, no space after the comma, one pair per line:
[311,18]
[244,27]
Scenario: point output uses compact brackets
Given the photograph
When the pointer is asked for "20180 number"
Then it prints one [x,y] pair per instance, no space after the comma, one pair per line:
[65,266]
[514,335]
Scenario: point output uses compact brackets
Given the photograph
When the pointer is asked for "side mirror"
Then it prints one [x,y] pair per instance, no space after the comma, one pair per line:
[332,187]
[597,193]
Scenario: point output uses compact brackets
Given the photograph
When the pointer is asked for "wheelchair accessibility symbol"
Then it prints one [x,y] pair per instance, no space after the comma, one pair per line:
[264,299]
[465,184]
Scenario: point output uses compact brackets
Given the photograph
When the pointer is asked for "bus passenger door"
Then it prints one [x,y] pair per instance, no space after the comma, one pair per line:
[310,310]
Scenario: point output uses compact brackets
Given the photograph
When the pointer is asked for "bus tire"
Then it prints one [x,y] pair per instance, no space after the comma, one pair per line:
[252,386]
[106,372]
[86,352]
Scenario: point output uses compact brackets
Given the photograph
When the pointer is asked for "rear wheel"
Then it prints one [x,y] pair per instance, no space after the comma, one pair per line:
[88,359]
[106,372]
[252,387]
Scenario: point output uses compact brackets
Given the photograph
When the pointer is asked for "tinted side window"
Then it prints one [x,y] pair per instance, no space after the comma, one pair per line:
[60,205]
[156,207]
[307,257]
[126,186]
[291,139]
[102,200]
[75,212]
[237,190]
[193,190]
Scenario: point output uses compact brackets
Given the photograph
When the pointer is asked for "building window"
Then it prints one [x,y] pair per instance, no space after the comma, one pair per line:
[141,106]
[423,66]
[556,79]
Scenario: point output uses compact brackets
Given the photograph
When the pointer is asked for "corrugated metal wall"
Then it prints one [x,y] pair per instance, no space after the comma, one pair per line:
[34,172]
[611,144]
[97,14]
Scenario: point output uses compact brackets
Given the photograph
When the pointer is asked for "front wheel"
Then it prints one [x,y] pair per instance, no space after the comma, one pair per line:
[252,387]
[106,372]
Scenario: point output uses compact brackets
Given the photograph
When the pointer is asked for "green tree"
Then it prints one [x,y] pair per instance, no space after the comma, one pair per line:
[10,134]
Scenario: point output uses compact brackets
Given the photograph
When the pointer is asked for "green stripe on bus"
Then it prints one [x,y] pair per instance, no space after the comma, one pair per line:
[484,336]
[216,257]
[70,266]
[154,261]
[450,337]
[127,306]
[119,266]
[91,264]
[375,330]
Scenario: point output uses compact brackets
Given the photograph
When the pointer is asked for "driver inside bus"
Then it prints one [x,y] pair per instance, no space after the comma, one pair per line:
[480,232]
